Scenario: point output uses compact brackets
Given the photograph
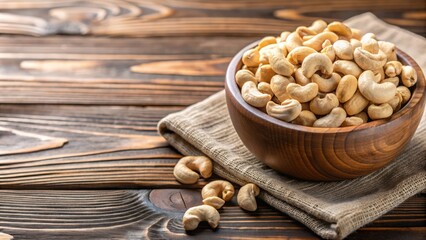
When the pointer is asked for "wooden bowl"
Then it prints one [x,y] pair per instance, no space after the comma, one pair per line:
[324,154]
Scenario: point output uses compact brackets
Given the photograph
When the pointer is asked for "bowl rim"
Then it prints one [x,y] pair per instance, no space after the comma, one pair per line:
[232,87]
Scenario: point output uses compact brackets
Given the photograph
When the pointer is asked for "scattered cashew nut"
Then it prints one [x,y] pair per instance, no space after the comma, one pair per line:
[220,188]
[193,216]
[246,197]
[184,170]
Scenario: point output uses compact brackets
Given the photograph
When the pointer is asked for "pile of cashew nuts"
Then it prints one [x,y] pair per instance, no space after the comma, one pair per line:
[214,194]
[325,75]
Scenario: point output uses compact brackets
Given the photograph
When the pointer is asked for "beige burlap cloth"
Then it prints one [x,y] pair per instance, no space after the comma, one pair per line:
[331,209]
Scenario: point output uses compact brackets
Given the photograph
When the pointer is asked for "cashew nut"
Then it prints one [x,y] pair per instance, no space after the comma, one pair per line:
[405,93]
[316,41]
[363,116]
[305,31]
[220,189]
[185,167]
[279,63]
[326,85]
[251,69]
[327,49]
[293,41]
[266,41]
[343,50]
[346,88]
[300,78]
[297,55]
[381,111]
[340,29]
[193,216]
[302,93]
[396,102]
[355,104]
[368,36]
[371,45]
[323,104]
[369,61]
[346,67]
[287,111]
[284,35]
[316,62]
[373,91]
[253,96]
[279,86]
[246,197]
[305,118]
[243,76]
[355,43]
[352,121]
[381,72]
[408,76]
[251,58]
[318,26]
[264,73]
[264,53]
[393,80]
[356,34]
[265,87]
[334,119]
[393,68]
[389,49]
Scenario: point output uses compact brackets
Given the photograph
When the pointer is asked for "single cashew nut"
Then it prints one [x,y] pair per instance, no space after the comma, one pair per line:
[373,91]
[369,61]
[264,73]
[343,50]
[316,41]
[405,93]
[302,93]
[184,170]
[326,85]
[340,29]
[363,116]
[287,111]
[279,86]
[279,62]
[300,78]
[316,62]
[393,80]
[297,55]
[251,58]
[352,121]
[381,111]
[371,45]
[265,88]
[389,49]
[328,50]
[193,216]
[219,188]
[355,104]
[346,88]
[293,40]
[346,67]
[323,104]
[246,197]
[253,96]
[396,102]
[393,68]
[318,26]
[266,41]
[243,76]
[305,118]
[334,119]
[215,202]
[408,76]
[368,36]
[356,33]
[305,31]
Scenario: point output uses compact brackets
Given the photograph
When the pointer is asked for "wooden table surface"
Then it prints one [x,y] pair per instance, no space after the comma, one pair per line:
[80,157]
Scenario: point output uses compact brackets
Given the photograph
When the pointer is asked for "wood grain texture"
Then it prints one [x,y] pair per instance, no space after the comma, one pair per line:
[148,18]
[156,214]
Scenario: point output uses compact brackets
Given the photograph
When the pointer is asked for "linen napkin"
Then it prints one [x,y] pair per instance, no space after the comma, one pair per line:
[331,209]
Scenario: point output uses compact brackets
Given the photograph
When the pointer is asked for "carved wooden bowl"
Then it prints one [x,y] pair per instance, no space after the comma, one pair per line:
[324,154]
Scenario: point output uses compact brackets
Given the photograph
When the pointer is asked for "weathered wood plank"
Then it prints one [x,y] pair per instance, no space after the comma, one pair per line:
[144,214]
[145,18]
